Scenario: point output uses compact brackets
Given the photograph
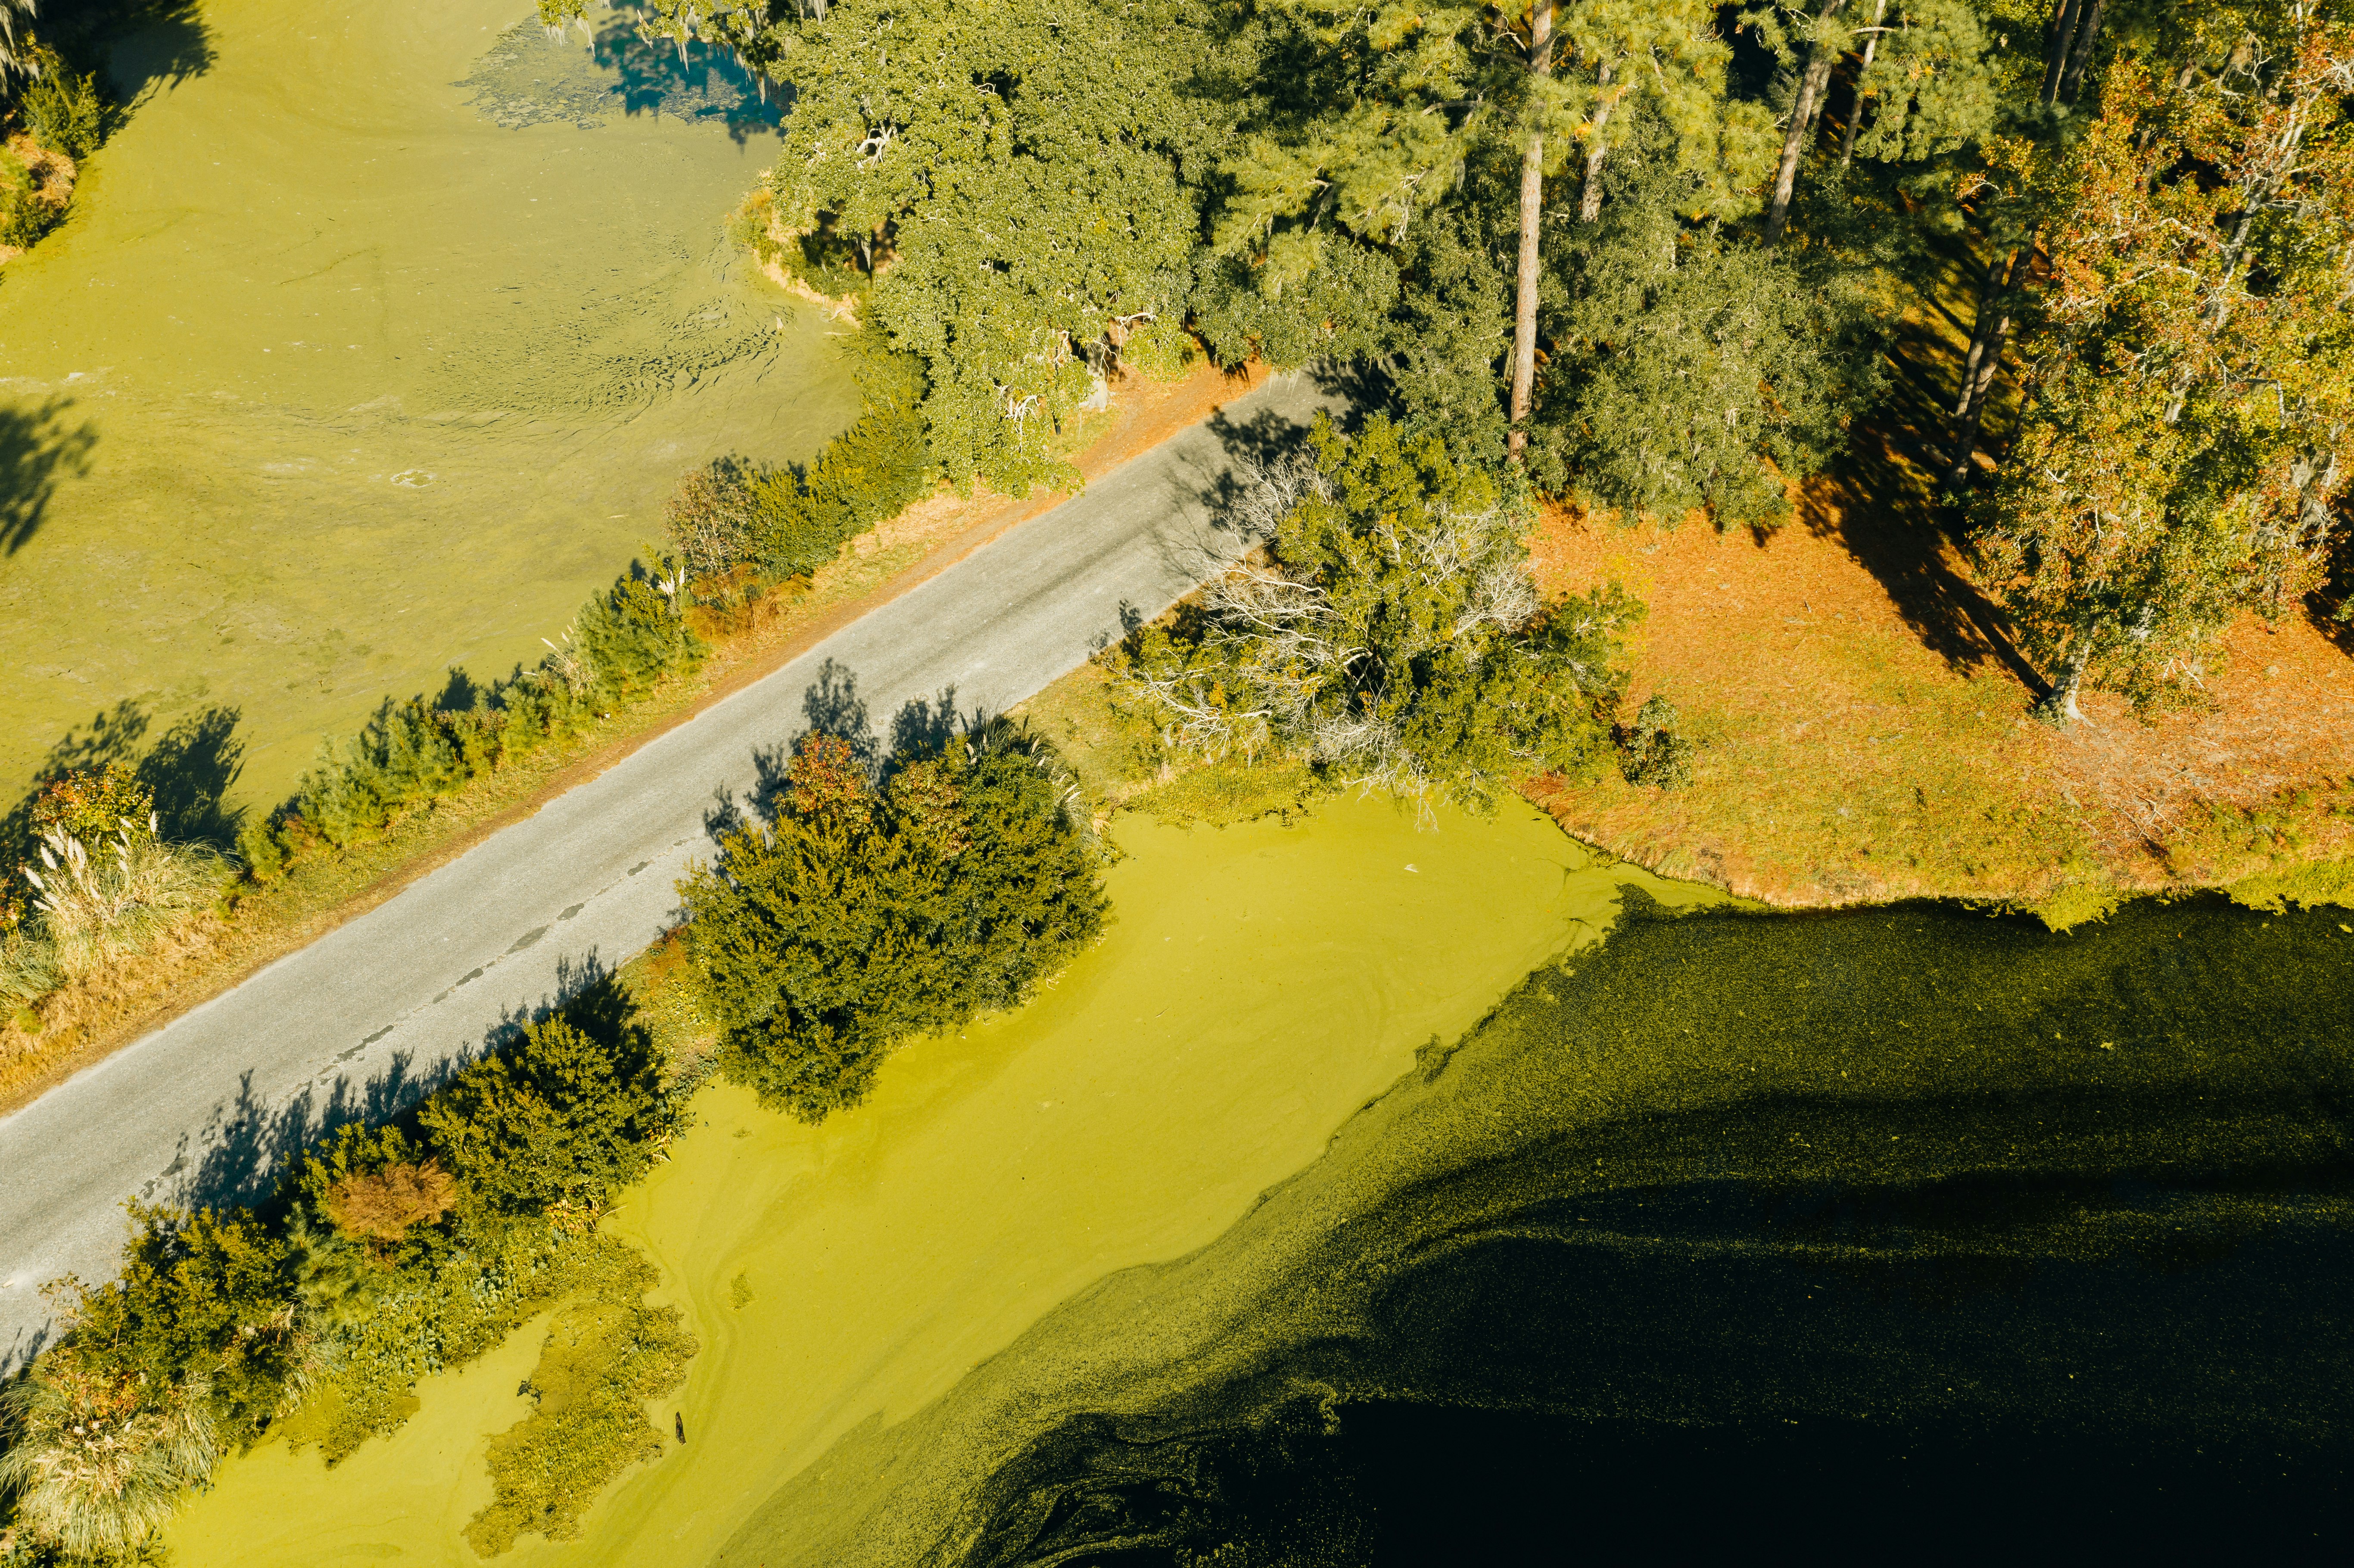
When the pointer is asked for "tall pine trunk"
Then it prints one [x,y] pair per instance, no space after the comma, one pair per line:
[1819,61]
[1589,194]
[1855,104]
[1524,303]
[1988,333]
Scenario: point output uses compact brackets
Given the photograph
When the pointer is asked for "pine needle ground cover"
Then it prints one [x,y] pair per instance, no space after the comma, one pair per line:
[1859,737]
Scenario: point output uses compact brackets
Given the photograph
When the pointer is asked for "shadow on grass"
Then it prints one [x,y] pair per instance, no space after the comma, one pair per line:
[38,446]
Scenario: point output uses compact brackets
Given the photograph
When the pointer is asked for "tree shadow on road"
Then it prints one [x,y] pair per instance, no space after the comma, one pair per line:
[249,1147]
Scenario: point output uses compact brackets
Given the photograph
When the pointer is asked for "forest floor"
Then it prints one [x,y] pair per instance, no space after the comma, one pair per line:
[1862,726]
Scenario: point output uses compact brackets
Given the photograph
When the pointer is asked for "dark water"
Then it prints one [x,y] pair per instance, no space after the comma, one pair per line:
[1906,1231]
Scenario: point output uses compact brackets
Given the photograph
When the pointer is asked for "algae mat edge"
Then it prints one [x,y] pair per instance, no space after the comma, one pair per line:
[1258,985]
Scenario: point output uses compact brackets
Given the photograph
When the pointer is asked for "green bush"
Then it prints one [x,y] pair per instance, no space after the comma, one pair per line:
[65,111]
[632,636]
[868,475]
[1655,751]
[1393,638]
[867,915]
[23,215]
[789,521]
[563,1117]
[201,1309]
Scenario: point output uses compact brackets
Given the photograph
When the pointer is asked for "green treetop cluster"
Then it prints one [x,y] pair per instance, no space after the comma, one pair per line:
[869,913]
[1652,254]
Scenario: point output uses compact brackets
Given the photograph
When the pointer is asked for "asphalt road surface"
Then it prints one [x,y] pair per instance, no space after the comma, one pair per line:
[198,1112]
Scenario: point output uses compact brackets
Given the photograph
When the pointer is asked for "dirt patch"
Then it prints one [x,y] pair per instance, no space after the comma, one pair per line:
[1863,732]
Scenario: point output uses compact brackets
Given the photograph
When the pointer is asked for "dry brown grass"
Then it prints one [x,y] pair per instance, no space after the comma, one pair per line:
[1863,728]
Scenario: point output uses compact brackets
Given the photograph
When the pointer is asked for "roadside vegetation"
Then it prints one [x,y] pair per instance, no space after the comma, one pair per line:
[2060,290]
[55,108]
[860,914]
[391,1252]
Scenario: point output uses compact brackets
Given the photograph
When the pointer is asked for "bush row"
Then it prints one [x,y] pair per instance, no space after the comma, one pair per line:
[736,529]
[390,1252]
[618,647]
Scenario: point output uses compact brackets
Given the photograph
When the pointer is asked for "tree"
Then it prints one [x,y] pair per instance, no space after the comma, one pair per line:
[1690,369]
[203,1310]
[563,1116]
[2189,406]
[1928,63]
[1393,637]
[1016,205]
[865,915]
[1377,117]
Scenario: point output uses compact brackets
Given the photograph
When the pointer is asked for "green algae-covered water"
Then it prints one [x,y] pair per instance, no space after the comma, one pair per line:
[1352,1203]
[377,337]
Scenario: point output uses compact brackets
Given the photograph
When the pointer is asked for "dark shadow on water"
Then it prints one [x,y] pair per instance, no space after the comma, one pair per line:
[160,44]
[39,445]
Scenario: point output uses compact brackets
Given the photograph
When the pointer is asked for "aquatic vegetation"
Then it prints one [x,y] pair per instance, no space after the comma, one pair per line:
[604,1357]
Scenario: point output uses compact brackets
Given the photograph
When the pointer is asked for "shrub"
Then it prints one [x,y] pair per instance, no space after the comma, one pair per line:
[866,475]
[1393,637]
[25,214]
[65,111]
[96,1463]
[1654,751]
[632,635]
[713,516]
[562,1116]
[202,1312]
[91,802]
[382,1206]
[96,908]
[864,916]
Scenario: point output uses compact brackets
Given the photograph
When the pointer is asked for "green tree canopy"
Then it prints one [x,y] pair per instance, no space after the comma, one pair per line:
[1394,636]
[865,915]
[1013,176]
[561,1116]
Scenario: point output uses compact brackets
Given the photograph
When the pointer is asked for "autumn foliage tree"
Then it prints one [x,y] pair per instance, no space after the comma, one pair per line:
[2189,387]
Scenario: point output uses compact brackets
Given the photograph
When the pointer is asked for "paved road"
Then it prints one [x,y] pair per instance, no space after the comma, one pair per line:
[196,1111]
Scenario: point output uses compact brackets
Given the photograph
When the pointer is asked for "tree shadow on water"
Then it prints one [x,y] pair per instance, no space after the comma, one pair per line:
[38,447]
[162,43]
[189,770]
[698,84]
